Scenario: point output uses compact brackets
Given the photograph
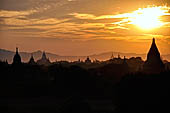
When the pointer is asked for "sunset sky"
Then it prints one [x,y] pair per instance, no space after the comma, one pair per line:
[84,27]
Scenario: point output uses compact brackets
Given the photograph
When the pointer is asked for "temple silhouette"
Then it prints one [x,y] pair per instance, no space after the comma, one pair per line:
[153,64]
[44,60]
[32,61]
[88,61]
[17,58]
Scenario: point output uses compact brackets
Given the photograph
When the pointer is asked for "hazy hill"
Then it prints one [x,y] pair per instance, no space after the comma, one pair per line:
[6,54]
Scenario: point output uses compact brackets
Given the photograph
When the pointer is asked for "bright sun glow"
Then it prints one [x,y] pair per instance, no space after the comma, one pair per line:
[148,18]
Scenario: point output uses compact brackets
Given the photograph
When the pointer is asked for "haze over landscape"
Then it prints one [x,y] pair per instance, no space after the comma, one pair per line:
[8,55]
[80,28]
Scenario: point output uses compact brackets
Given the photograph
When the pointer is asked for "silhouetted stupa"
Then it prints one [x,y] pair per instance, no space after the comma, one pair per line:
[32,61]
[88,60]
[124,62]
[17,58]
[112,57]
[125,65]
[44,60]
[153,64]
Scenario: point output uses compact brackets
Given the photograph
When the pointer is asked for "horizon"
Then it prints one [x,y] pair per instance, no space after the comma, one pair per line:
[48,52]
[93,56]
[95,53]
[83,55]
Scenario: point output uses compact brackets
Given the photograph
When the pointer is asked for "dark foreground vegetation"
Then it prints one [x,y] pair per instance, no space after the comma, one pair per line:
[73,89]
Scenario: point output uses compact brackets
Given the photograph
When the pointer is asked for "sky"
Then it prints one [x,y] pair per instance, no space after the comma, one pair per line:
[84,27]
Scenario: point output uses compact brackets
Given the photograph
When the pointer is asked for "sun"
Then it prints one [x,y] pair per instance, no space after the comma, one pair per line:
[147,18]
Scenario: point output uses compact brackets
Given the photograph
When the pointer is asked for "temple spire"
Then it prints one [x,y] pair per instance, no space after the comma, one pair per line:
[153,62]
[112,56]
[16,49]
[44,55]
[124,60]
[32,56]
[17,58]
[44,60]
[153,40]
[153,52]
[32,61]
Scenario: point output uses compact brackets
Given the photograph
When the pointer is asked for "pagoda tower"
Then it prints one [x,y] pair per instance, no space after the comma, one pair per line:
[44,56]
[88,61]
[153,64]
[32,61]
[44,60]
[17,58]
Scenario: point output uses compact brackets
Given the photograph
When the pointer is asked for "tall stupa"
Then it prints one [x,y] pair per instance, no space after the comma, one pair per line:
[44,60]
[153,64]
[17,57]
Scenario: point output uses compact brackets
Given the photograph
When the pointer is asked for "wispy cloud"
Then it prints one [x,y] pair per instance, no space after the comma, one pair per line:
[80,20]
[10,14]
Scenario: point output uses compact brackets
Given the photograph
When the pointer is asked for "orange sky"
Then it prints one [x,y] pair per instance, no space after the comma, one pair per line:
[83,27]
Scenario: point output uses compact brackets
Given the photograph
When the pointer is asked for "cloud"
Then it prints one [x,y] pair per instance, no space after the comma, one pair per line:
[8,14]
[83,16]
[75,19]
[62,24]
[21,19]
[124,22]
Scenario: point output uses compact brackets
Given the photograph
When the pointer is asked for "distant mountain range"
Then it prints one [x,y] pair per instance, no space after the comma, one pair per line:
[8,55]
